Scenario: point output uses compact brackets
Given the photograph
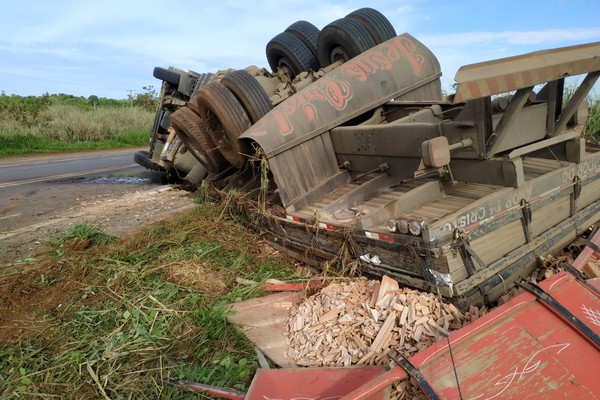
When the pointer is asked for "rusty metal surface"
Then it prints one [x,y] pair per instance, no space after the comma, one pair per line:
[294,134]
[512,73]
[521,350]
[376,76]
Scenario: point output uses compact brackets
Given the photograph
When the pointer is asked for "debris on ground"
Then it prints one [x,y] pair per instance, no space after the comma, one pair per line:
[361,322]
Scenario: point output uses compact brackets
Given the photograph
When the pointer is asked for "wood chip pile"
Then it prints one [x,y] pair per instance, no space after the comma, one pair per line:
[361,322]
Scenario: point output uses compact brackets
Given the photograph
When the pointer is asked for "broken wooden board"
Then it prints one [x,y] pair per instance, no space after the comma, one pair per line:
[263,321]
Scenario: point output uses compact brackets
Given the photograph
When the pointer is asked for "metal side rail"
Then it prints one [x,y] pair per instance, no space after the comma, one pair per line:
[561,311]
[404,368]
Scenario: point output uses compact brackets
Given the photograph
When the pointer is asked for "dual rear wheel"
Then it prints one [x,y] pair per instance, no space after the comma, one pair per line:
[219,113]
[211,123]
[302,47]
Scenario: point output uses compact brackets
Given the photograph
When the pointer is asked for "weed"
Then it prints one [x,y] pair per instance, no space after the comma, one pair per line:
[592,127]
[82,236]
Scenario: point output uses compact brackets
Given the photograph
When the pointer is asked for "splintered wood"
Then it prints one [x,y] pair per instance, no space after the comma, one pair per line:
[361,322]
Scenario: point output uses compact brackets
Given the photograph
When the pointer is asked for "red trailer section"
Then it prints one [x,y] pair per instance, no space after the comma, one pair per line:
[529,348]
[522,350]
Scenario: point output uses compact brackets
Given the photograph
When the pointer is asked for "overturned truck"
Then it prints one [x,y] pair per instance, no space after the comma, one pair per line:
[368,162]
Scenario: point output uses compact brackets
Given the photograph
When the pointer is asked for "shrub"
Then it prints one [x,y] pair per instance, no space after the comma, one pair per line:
[592,127]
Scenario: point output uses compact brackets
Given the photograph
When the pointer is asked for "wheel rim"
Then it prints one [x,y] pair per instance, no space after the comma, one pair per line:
[343,40]
[338,53]
[286,49]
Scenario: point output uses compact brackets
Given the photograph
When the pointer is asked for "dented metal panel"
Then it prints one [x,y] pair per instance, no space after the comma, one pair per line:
[527,70]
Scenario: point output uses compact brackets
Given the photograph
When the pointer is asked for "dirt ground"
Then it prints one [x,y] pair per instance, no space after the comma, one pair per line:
[115,212]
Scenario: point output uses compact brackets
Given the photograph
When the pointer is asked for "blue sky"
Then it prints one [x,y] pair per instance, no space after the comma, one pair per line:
[107,48]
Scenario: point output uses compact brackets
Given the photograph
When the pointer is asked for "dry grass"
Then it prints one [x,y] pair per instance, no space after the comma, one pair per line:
[117,318]
[67,123]
[69,128]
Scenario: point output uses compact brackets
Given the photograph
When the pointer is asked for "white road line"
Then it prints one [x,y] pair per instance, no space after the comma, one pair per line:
[53,160]
[69,175]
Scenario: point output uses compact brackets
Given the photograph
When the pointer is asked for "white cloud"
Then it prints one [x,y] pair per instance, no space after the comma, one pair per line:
[112,46]
[519,38]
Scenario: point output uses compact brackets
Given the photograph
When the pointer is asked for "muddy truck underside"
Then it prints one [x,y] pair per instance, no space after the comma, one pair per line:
[367,163]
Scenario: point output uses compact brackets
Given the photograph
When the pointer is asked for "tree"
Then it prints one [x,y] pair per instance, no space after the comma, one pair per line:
[93,101]
[148,99]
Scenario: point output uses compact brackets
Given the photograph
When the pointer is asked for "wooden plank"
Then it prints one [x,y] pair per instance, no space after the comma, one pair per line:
[263,322]
[591,270]
[387,284]
[383,335]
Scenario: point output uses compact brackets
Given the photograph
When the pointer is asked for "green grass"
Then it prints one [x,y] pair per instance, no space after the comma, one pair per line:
[27,143]
[142,310]
[592,127]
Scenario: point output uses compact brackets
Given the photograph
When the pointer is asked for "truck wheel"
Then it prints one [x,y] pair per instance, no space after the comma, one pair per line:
[226,120]
[249,93]
[286,50]
[189,127]
[376,23]
[166,75]
[343,40]
[143,158]
[307,32]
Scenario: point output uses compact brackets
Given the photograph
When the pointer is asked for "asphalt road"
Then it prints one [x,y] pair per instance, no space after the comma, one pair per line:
[34,188]
[23,171]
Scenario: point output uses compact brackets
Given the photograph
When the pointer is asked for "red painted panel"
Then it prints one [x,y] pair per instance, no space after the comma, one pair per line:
[311,383]
[521,350]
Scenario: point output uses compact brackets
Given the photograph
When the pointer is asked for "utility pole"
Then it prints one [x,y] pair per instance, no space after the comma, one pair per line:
[131,97]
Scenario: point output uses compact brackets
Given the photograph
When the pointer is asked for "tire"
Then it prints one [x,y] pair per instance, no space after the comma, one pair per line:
[343,39]
[226,120]
[189,127]
[286,50]
[166,75]
[143,158]
[307,32]
[376,23]
[249,93]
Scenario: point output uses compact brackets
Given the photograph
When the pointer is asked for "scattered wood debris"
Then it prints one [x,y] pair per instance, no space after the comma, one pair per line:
[361,322]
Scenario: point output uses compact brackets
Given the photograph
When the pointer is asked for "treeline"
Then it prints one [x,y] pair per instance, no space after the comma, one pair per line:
[28,109]
[59,122]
